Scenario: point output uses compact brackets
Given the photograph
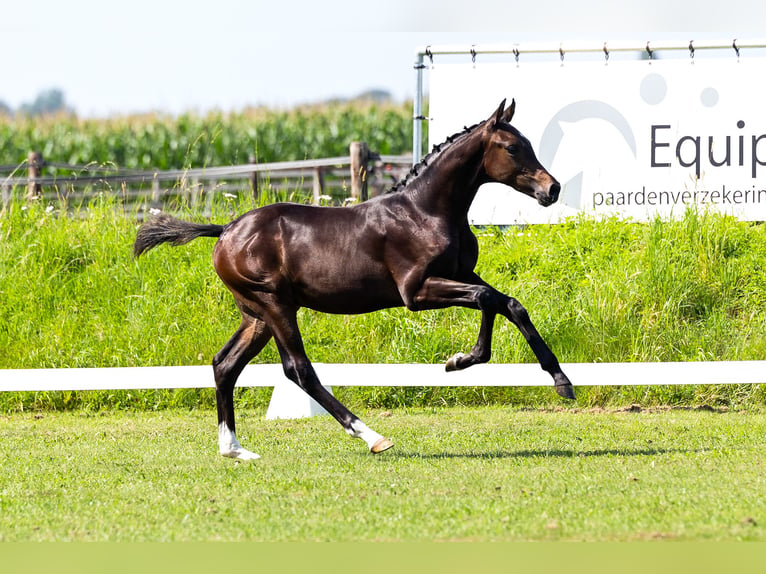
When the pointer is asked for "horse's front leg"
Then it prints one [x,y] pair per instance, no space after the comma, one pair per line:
[482,350]
[518,315]
[438,293]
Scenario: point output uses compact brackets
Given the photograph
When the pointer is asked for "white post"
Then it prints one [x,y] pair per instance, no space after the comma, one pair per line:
[289,401]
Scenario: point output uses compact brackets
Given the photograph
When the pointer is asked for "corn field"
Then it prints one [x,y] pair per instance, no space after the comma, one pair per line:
[215,139]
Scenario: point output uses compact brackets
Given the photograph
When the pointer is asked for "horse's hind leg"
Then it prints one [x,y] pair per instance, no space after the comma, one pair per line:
[299,370]
[247,342]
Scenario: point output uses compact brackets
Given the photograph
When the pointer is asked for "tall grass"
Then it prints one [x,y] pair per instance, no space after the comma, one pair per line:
[71,295]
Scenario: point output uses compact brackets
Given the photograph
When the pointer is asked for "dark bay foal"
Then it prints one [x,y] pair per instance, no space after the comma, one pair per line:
[411,247]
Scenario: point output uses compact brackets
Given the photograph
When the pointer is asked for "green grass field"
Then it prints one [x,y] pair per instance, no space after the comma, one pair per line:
[455,474]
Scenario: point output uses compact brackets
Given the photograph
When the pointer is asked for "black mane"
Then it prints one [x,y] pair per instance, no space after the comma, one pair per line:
[437,149]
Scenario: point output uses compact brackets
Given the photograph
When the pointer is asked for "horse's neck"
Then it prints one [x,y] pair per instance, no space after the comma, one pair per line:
[450,181]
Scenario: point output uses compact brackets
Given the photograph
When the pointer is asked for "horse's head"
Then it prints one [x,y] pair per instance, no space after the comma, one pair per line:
[510,159]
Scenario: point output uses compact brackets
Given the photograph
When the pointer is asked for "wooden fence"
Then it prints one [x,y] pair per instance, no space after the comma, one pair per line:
[338,180]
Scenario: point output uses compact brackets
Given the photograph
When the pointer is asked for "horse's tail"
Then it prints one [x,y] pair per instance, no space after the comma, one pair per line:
[166,229]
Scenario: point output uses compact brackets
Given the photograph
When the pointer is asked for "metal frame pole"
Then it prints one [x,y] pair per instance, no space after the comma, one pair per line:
[417,110]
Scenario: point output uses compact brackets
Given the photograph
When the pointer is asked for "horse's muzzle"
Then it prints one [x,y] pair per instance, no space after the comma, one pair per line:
[552,195]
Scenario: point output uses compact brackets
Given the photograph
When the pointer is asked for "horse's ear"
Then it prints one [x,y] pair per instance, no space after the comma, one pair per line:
[508,114]
[498,115]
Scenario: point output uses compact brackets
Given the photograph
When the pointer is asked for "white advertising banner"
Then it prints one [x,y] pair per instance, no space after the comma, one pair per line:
[633,138]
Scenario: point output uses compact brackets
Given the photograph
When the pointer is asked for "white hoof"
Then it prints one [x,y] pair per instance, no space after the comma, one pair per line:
[452,362]
[229,446]
[241,454]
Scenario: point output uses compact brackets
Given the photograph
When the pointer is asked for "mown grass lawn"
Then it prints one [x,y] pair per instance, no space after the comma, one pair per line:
[475,474]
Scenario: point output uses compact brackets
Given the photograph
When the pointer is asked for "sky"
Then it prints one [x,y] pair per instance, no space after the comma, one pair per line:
[121,57]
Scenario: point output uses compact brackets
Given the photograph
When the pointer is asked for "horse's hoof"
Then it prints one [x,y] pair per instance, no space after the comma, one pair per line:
[566,391]
[452,362]
[563,386]
[381,445]
[247,455]
[241,454]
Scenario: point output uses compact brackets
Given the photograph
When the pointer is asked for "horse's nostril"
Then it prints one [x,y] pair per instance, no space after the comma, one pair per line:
[554,191]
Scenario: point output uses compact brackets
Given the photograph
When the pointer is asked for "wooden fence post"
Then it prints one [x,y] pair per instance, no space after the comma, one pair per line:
[155,193]
[35,166]
[360,155]
[318,184]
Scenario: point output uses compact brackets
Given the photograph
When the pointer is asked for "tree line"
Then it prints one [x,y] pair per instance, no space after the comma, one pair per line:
[48,101]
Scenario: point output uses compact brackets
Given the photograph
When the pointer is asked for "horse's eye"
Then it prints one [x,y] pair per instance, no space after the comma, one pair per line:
[512,149]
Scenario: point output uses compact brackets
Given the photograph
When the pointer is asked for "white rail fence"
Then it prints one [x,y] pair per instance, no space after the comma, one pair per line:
[288,401]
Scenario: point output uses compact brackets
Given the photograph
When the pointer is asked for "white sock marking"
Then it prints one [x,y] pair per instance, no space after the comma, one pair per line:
[362,431]
[229,446]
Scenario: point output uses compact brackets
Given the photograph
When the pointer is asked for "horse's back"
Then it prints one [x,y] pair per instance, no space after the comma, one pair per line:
[326,258]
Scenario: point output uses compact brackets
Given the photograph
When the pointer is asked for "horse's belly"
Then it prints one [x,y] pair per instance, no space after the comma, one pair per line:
[354,297]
